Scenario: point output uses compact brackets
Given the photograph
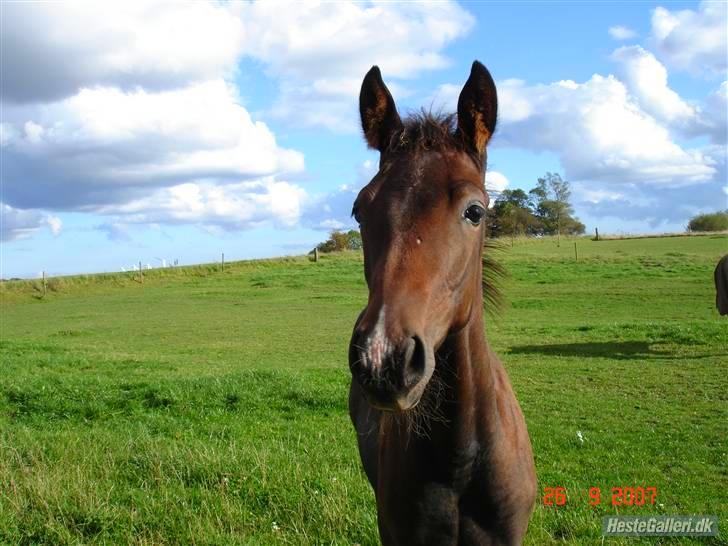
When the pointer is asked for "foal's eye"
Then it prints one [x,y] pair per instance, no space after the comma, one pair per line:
[474,214]
[355,214]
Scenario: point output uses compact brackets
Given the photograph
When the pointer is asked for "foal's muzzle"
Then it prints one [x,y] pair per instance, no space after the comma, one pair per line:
[393,376]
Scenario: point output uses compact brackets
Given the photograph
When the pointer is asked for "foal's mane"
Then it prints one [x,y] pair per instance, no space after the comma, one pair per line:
[494,273]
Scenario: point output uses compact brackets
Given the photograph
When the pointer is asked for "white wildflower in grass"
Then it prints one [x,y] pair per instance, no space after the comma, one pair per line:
[275,526]
[580,436]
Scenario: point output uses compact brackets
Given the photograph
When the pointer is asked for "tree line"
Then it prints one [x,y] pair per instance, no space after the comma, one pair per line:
[716,221]
[341,240]
[544,210]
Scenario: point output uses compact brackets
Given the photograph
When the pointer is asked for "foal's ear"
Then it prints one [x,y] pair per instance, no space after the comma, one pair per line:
[379,117]
[478,108]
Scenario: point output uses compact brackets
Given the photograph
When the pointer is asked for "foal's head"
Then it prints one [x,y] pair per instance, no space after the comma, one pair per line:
[422,225]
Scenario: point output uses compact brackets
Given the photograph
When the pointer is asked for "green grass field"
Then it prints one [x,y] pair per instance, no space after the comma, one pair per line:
[209,407]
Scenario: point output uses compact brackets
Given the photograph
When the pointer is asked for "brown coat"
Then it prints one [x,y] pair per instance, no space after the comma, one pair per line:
[721,285]
[441,436]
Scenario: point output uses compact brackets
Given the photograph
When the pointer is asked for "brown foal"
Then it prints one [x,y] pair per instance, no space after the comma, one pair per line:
[441,436]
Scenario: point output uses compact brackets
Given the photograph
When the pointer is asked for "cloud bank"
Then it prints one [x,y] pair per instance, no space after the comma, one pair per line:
[129,110]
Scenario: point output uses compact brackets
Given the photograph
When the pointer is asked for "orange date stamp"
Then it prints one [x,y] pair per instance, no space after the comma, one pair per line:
[636,495]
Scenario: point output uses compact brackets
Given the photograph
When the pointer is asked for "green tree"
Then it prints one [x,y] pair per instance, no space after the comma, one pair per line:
[550,202]
[717,221]
[511,215]
[353,240]
[340,240]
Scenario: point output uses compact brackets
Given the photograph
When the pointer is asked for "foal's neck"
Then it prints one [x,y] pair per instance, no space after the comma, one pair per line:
[468,374]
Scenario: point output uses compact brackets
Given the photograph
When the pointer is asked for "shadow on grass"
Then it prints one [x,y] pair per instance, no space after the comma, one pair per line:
[620,350]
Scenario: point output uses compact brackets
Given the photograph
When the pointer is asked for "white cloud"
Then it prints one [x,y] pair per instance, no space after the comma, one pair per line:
[51,50]
[20,224]
[54,224]
[495,183]
[598,131]
[33,132]
[123,110]
[696,41]
[104,145]
[619,32]
[646,78]
[320,51]
[232,206]
[713,116]
[332,42]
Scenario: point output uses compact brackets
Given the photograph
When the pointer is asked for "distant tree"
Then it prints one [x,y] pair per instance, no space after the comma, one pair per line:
[327,246]
[511,215]
[551,206]
[717,221]
[353,240]
[340,240]
[517,197]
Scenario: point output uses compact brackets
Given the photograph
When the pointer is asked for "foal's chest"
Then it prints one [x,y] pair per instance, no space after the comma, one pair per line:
[426,500]
[437,515]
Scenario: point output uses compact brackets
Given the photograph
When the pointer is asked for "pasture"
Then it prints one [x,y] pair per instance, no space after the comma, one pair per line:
[210,407]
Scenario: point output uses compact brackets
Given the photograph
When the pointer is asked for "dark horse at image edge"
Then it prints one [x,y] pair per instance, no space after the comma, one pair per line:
[441,436]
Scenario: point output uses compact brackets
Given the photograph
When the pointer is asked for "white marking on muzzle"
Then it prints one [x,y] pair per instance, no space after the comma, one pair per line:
[378,344]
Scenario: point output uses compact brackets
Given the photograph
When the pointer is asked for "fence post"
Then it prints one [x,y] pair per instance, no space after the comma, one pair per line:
[44,284]
[223,261]
[141,274]
[596,231]
[576,254]
[316,254]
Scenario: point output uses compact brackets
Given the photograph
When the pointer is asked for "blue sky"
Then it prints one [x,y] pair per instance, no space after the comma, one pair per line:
[152,132]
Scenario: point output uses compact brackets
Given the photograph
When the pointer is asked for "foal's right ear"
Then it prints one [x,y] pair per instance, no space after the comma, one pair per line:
[379,117]
[478,108]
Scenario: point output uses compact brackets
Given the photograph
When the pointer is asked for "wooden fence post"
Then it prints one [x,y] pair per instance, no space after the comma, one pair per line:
[44,284]
[576,254]
[316,254]
[596,231]
[141,275]
[223,261]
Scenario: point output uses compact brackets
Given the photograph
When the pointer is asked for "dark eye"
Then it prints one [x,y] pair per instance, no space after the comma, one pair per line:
[474,214]
[355,213]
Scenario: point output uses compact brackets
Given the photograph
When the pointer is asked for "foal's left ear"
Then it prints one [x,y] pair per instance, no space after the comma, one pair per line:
[478,108]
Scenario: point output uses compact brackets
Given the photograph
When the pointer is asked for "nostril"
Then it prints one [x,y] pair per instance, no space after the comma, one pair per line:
[357,355]
[414,360]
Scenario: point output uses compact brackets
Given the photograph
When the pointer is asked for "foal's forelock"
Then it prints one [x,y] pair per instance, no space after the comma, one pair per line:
[427,131]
